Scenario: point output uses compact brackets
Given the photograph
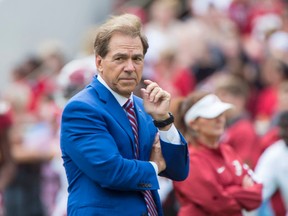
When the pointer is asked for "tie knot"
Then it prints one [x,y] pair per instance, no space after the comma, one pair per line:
[128,104]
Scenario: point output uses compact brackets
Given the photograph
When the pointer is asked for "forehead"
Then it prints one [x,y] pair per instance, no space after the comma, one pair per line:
[122,43]
[202,119]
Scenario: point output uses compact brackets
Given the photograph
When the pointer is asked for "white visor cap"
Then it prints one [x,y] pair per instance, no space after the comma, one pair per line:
[209,107]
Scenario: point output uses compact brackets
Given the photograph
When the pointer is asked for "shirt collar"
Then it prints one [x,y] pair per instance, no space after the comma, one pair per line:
[121,100]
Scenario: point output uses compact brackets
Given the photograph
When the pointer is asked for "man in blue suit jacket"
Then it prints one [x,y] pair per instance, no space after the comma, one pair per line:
[97,141]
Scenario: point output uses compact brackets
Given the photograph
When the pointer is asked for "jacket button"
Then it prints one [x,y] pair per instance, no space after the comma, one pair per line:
[140,185]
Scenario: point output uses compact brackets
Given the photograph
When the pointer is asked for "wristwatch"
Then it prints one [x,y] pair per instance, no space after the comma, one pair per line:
[164,123]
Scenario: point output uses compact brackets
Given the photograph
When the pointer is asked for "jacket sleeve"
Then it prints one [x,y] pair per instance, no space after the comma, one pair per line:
[177,160]
[249,198]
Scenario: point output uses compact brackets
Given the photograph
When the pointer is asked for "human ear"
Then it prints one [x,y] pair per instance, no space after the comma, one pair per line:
[98,62]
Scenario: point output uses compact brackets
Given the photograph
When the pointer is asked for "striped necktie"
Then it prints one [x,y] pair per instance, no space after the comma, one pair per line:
[129,107]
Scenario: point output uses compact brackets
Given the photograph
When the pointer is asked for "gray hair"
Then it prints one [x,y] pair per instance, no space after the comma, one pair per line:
[127,24]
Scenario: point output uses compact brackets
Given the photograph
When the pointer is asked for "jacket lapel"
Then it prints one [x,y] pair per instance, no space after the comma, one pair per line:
[113,107]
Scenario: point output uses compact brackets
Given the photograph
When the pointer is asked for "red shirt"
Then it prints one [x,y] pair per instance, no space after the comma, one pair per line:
[184,81]
[5,120]
[242,137]
[266,102]
[270,137]
[214,185]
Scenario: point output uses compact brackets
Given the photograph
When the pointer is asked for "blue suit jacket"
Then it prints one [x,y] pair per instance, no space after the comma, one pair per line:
[97,149]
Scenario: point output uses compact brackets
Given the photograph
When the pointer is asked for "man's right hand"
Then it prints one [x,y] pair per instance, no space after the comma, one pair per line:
[156,154]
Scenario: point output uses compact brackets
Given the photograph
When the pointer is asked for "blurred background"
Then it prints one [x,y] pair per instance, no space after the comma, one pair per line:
[28,26]
[237,49]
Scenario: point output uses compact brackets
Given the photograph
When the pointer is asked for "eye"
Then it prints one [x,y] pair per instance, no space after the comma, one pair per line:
[138,59]
[119,58]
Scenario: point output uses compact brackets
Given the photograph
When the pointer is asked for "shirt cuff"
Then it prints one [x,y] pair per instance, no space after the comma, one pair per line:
[170,136]
[154,166]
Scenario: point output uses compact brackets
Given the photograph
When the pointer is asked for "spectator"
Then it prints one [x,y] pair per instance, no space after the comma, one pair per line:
[7,166]
[273,73]
[219,183]
[272,166]
[31,135]
[240,133]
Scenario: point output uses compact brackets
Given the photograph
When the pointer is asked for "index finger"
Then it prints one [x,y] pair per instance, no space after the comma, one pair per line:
[147,81]
[150,85]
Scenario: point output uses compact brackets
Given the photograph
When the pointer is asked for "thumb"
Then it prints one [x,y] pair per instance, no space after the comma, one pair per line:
[156,139]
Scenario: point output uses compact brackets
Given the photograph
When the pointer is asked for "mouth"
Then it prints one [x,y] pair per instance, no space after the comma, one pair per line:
[219,128]
[127,79]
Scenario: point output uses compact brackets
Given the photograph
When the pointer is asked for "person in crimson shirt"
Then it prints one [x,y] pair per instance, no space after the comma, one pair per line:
[7,166]
[240,131]
[218,182]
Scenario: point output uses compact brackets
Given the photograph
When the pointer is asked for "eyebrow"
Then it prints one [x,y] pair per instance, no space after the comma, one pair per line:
[126,55]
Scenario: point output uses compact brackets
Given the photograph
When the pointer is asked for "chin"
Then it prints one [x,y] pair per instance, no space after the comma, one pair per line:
[126,93]
[129,89]
[218,135]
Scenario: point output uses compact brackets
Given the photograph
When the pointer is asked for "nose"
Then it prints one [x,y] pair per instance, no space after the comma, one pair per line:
[129,67]
[221,118]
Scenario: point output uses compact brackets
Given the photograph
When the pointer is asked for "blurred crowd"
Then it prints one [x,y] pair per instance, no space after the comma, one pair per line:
[237,49]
